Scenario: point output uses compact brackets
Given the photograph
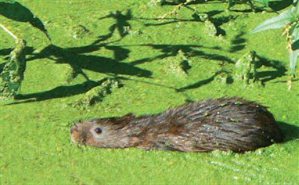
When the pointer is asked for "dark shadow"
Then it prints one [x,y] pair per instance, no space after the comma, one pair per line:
[279,5]
[201,83]
[196,16]
[79,61]
[257,10]
[17,12]
[173,2]
[197,84]
[5,52]
[169,21]
[219,21]
[265,76]
[67,91]
[254,6]
[146,82]
[121,25]
[165,21]
[168,50]
[194,2]
[285,81]
[291,132]
[58,92]
[119,53]
[214,12]
[81,58]
[238,43]
[1,67]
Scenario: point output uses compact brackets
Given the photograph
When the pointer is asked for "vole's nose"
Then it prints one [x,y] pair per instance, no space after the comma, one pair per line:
[74,128]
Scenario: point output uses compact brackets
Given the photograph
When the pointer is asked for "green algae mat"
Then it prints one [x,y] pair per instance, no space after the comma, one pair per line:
[110,58]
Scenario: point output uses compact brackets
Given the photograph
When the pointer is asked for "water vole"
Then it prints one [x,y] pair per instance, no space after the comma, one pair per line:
[220,124]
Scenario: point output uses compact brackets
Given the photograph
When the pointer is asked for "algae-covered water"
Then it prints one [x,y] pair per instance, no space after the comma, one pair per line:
[160,64]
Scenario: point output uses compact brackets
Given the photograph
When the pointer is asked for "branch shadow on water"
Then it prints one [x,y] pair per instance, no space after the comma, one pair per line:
[291,132]
[99,64]
[5,53]
[17,12]
[197,84]
[238,43]
[196,17]
[79,60]
[219,21]
[193,2]
[121,25]
[1,67]
[190,51]
[58,92]
[278,69]
[159,21]
[170,50]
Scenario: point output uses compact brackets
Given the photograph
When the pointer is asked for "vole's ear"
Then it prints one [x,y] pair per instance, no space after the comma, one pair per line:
[126,118]
[129,115]
[122,120]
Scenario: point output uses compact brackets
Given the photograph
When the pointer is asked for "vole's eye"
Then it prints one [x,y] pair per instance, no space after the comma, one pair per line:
[98,130]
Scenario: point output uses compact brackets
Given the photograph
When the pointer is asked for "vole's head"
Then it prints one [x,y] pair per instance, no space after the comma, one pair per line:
[104,133]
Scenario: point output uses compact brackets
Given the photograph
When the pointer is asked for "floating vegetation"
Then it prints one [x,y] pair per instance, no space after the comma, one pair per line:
[97,94]
[13,71]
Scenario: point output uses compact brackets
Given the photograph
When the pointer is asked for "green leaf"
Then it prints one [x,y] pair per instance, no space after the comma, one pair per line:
[277,5]
[297,8]
[276,22]
[293,60]
[294,32]
[17,12]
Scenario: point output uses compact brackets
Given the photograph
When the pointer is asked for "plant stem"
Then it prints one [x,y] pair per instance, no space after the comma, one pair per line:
[13,72]
[8,31]
[176,8]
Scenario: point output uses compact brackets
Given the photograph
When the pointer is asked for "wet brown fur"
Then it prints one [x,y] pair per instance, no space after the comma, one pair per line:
[220,124]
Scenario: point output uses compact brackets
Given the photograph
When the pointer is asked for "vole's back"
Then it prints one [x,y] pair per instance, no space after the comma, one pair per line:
[223,124]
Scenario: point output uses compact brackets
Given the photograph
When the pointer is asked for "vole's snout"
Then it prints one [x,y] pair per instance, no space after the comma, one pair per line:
[75,133]
[74,128]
